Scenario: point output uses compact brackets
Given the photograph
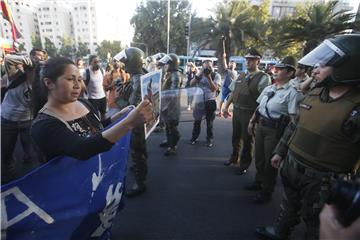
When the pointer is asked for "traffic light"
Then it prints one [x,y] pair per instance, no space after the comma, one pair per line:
[186,30]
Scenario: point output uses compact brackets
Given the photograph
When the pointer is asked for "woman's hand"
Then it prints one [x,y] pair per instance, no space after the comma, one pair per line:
[276,160]
[143,113]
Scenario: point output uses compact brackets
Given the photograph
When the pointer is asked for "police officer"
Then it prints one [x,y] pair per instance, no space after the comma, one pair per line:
[170,111]
[326,139]
[133,59]
[247,89]
[277,103]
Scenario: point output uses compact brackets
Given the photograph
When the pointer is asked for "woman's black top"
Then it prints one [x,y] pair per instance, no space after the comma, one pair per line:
[53,138]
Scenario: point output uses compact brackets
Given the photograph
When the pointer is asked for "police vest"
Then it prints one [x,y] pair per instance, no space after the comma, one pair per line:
[246,91]
[319,138]
[171,79]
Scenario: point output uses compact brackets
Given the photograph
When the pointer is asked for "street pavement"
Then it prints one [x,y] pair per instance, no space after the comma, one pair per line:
[193,196]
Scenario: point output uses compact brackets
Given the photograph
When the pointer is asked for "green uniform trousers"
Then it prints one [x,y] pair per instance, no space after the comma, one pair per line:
[266,139]
[240,123]
[139,154]
[305,192]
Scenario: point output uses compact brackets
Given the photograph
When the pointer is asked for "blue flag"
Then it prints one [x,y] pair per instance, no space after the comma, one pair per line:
[66,198]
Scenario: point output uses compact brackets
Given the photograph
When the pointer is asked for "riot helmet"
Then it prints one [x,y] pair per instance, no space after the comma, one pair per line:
[341,52]
[133,58]
[171,59]
[158,56]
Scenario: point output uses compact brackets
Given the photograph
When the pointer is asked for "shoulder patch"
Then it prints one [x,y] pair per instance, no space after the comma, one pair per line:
[305,106]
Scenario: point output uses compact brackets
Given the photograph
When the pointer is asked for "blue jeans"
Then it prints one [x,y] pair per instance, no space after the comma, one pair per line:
[10,131]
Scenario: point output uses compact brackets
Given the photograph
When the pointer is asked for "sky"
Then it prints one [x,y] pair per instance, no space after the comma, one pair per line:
[114,17]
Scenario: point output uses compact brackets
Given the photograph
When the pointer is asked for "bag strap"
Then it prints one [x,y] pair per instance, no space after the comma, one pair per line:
[52,114]
[87,79]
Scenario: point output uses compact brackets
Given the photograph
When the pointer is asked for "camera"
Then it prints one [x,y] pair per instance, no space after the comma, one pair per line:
[207,71]
[345,196]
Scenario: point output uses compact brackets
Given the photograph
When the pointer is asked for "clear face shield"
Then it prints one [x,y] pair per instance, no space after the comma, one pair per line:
[326,54]
[165,60]
[121,56]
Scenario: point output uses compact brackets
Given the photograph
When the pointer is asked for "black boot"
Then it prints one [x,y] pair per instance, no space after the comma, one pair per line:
[269,232]
[285,223]
[164,144]
[232,160]
[170,151]
[136,190]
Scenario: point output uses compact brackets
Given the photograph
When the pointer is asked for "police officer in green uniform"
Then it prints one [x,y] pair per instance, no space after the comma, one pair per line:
[246,90]
[133,58]
[325,142]
[170,109]
[277,104]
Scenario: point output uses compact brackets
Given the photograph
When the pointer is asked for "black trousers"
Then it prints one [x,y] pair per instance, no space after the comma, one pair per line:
[99,105]
[139,154]
[210,108]
[172,132]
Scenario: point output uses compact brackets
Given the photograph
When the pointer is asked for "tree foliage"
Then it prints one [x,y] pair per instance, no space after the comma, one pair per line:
[67,47]
[150,24]
[313,23]
[108,48]
[244,25]
[50,48]
[36,41]
[82,49]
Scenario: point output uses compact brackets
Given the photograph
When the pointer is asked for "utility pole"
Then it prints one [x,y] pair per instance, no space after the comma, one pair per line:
[168,29]
[187,35]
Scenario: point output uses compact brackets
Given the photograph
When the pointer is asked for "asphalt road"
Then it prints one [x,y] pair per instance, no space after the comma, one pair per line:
[193,196]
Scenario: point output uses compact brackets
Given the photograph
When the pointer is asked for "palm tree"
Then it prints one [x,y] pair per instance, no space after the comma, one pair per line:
[234,22]
[315,23]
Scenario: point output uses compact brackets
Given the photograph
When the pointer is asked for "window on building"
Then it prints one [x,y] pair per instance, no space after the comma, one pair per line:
[18,10]
[276,12]
[47,23]
[57,23]
[39,9]
[75,8]
[54,8]
[16,3]
[20,24]
[41,23]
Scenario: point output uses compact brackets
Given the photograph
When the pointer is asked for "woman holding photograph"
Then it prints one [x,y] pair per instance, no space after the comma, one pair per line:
[66,125]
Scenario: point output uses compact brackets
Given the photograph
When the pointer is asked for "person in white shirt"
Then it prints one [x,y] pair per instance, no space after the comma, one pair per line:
[94,82]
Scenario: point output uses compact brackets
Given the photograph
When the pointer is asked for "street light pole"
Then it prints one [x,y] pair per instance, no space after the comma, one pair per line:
[168,29]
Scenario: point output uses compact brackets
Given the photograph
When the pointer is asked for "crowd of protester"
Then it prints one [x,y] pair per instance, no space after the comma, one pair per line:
[305,117]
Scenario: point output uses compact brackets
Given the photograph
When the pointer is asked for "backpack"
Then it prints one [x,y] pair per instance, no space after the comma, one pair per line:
[87,79]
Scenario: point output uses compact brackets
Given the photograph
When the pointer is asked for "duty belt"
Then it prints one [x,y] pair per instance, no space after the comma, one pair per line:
[267,122]
[295,161]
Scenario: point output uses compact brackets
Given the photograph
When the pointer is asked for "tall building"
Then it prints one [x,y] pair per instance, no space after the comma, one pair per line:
[72,19]
[25,20]
[282,8]
[83,14]
[54,21]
